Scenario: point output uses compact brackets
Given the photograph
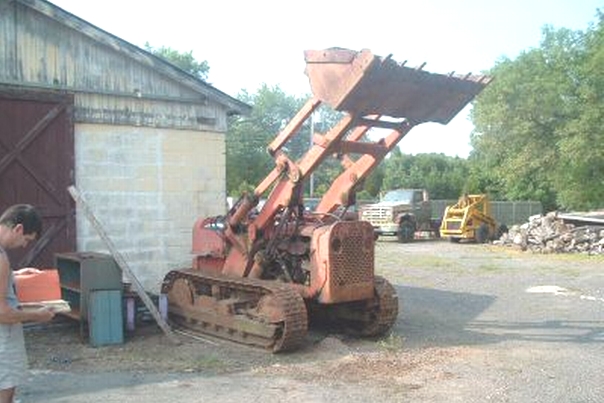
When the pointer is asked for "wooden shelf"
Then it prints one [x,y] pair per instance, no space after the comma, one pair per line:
[81,275]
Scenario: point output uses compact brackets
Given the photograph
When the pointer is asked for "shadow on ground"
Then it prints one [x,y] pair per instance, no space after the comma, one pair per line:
[430,317]
[438,318]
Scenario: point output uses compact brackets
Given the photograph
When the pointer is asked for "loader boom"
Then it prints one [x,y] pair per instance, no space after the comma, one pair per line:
[367,88]
[256,277]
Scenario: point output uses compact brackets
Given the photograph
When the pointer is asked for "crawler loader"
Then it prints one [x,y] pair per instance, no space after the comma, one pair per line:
[260,276]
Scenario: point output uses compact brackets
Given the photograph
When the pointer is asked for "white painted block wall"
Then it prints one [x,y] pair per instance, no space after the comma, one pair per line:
[147,186]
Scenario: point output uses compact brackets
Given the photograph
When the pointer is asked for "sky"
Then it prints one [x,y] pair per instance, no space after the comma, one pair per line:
[250,43]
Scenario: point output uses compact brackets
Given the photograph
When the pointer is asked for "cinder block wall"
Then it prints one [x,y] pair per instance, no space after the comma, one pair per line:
[147,187]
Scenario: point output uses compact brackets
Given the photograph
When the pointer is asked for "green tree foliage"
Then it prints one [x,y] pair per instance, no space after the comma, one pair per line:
[183,60]
[539,132]
[580,183]
[247,160]
[444,177]
[373,184]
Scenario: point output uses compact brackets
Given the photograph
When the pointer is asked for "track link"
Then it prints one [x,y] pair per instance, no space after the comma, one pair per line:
[250,311]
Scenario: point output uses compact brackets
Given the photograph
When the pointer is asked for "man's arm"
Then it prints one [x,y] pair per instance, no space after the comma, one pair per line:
[10,315]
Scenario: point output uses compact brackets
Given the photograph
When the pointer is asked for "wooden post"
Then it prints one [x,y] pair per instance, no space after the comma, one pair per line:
[122,264]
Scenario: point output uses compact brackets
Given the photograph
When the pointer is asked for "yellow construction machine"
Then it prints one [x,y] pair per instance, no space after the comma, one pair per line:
[470,219]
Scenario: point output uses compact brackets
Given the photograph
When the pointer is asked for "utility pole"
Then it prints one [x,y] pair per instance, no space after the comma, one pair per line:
[312,133]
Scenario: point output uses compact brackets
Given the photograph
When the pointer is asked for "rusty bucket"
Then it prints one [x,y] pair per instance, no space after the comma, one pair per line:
[361,84]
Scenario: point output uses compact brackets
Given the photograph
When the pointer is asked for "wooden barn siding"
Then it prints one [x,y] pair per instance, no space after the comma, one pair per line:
[109,86]
[98,108]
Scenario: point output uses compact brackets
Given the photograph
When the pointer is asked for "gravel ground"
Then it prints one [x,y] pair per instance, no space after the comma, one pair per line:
[477,323]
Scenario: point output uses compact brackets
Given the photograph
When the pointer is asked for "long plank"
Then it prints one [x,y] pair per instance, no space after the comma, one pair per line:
[122,264]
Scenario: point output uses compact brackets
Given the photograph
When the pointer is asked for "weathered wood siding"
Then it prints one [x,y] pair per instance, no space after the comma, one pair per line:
[138,90]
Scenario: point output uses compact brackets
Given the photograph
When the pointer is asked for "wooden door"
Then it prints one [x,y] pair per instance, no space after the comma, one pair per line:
[37,166]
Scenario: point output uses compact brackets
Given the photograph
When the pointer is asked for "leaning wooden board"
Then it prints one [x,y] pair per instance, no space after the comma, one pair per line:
[123,265]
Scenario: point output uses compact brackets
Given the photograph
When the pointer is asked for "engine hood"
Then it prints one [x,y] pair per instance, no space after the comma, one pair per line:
[387,204]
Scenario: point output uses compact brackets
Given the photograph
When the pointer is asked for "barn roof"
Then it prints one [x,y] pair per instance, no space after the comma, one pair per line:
[234,106]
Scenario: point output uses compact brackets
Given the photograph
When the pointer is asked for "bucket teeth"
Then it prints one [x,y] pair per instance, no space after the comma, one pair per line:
[361,84]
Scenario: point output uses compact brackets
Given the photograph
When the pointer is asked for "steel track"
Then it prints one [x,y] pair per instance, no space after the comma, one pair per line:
[238,319]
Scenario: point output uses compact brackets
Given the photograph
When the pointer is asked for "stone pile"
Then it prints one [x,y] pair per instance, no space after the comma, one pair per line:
[550,234]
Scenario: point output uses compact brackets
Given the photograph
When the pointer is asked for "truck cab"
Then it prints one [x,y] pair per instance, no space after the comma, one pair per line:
[400,212]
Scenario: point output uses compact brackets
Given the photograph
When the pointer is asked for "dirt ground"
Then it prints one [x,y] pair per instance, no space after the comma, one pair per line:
[477,323]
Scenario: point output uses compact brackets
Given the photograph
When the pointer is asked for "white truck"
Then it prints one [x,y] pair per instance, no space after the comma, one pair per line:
[402,212]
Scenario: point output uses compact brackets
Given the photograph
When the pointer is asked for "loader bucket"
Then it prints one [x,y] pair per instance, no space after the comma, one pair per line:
[361,83]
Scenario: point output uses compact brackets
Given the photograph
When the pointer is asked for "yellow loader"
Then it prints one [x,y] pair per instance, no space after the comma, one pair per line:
[470,219]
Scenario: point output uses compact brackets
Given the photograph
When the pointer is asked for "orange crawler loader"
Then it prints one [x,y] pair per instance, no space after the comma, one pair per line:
[261,278]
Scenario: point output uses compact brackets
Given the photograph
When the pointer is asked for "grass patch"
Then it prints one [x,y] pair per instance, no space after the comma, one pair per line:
[392,342]
[505,252]
[209,363]
[564,270]
[575,257]
[492,268]
[424,261]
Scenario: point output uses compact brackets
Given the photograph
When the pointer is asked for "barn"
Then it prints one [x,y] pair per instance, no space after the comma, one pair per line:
[142,140]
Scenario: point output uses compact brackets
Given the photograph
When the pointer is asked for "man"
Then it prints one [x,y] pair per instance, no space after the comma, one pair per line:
[19,225]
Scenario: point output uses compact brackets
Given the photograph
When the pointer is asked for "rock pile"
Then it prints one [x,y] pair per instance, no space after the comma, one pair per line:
[550,234]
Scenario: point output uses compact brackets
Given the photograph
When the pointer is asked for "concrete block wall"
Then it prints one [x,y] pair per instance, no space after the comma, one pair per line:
[147,186]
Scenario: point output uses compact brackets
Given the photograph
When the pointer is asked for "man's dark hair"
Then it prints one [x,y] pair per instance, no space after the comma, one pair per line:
[25,215]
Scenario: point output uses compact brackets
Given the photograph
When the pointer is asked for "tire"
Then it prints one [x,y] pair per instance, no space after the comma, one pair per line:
[436,229]
[482,233]
[406,232]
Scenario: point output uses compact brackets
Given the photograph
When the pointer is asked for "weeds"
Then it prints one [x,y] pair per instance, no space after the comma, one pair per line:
[391,343]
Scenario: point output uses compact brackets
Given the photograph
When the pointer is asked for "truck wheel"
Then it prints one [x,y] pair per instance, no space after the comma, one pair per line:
[482,233]
[406,232]
[436,228]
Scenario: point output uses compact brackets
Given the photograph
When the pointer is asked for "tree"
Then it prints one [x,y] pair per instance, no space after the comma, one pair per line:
[247,159]
[248,137]
[539,124]
[443,176]
[579,175]
[183,60]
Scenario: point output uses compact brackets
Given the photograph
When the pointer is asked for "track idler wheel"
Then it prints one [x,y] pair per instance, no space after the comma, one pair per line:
[382,314]
[181,293]
[369,318]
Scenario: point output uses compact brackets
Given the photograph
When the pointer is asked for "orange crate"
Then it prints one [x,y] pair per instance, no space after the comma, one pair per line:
[38,287]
